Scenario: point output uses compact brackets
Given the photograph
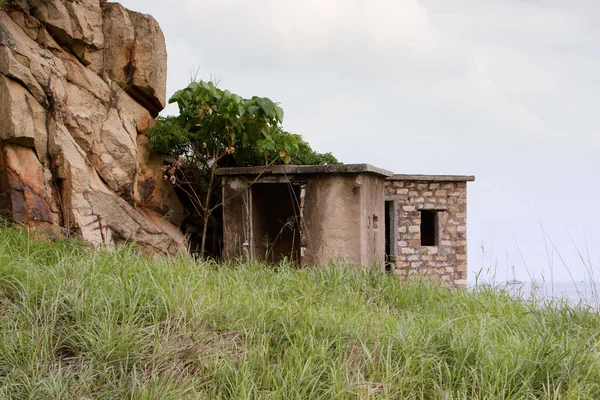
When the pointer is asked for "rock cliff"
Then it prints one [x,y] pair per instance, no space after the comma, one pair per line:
[80,82]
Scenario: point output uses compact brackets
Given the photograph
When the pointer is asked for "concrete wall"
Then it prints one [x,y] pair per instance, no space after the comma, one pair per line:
[338,210]
[448,259]
[331,215]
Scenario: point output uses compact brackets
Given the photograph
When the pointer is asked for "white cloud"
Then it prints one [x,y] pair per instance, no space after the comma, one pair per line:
[482,92]
[309,27]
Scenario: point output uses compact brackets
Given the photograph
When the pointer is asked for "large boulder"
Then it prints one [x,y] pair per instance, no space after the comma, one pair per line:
[80,83]
[134,50]
[93,210]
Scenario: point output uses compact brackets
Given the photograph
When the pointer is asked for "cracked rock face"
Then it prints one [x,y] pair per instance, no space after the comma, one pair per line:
[80,82]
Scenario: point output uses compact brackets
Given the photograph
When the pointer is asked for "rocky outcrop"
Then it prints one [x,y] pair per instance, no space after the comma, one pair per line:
[80,82]
[136,47]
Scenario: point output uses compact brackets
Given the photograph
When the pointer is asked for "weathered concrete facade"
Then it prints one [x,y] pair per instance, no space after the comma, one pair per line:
[430,217]
[311,214]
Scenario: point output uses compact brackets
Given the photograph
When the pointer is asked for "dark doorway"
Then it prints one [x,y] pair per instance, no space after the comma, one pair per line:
[276,221]
[429,228]
[390,237]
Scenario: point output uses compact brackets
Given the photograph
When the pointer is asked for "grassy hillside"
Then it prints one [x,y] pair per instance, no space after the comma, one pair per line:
[76,324]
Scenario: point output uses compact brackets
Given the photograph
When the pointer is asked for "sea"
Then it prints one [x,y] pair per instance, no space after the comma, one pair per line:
[577,293]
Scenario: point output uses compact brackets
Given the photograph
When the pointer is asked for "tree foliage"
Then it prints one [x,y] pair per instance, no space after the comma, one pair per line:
[217,125]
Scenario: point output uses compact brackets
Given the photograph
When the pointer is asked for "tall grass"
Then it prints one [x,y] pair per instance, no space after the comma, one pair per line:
[77,323]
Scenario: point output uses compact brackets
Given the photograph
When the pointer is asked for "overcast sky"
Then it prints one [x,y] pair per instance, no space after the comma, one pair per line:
[506,90]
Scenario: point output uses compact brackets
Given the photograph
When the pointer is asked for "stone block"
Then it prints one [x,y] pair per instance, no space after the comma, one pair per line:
[431,250]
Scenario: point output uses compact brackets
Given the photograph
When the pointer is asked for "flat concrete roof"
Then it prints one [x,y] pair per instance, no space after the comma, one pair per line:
[306,169]
[430,178]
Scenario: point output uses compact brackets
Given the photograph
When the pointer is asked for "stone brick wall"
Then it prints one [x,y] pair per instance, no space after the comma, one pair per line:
[447,259]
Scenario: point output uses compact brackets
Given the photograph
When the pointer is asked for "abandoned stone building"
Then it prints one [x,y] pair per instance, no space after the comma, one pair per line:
[411,224]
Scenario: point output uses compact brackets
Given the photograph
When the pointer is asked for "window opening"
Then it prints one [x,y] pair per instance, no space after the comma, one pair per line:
[429,228]
[390,239]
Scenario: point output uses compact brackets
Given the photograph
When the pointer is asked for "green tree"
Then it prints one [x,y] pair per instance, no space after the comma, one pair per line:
[217,128]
